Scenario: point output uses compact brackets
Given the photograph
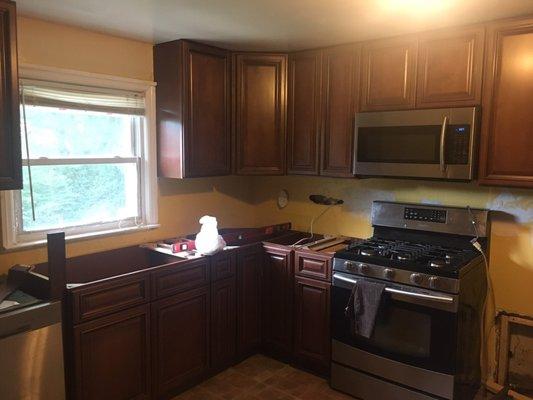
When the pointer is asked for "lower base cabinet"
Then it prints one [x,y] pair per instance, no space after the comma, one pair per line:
[223,323]
[312,340]
[112,357]
[180,335]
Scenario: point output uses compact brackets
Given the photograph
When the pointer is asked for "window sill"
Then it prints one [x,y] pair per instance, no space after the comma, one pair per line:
[80,237]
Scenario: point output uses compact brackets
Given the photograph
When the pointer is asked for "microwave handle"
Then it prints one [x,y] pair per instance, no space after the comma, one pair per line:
[442,162]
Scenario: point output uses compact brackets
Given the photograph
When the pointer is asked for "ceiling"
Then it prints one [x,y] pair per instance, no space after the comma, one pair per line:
[280,25]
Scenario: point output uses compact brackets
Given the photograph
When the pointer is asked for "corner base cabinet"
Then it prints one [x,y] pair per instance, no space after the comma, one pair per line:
[10,151]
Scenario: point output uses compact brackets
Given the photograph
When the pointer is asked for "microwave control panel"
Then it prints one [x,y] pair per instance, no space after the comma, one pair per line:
[425,214]
[457,144]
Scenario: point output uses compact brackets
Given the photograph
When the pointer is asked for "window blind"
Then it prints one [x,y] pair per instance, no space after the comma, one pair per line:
[49,94]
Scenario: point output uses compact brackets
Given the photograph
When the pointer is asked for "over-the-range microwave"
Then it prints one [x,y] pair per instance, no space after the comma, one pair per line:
[435,143]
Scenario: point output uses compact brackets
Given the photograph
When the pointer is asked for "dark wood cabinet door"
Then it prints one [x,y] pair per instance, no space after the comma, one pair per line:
[388,74]
[193,109]
[450,66]
[249,261]
[277,301]
[260,116]
[507,125]
[112,357]
[223,323]
[180,341]
[312,334]
[304,112]
[10,151]
[339,83]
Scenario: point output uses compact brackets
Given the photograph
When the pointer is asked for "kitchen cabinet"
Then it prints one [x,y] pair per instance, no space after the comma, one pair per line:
[180,341]
[249,269]
[193,109]
[304,112]
[312,318]
[340,72]
[388,74]
[223,323]
[10,149]
[450,65]
[260,113]
[507,124]
[112,356]
[277,301]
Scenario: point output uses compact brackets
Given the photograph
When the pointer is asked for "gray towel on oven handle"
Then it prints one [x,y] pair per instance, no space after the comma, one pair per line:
[363,306]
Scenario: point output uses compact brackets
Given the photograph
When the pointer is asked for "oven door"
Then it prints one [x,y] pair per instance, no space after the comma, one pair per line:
[434,143]
[414,326]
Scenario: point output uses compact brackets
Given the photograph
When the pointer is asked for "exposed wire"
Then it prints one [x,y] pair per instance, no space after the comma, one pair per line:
[485,330]
[27,152]
[312,224]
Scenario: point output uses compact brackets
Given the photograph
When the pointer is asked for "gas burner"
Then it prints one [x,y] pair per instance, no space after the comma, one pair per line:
[437,263]
[368,252]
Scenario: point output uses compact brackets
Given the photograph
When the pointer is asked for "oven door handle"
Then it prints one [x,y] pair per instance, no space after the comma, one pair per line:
[424,296]
[442,162]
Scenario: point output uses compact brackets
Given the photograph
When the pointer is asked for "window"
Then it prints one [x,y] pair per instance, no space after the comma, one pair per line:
[86,162]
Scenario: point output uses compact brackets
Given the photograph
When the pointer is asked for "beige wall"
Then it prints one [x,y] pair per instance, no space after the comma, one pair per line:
[181,203]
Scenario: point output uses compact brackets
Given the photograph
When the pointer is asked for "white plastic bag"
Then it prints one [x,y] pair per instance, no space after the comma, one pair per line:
[208,241]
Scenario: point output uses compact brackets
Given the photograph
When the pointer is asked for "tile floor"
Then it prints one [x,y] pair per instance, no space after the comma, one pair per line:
[262,378]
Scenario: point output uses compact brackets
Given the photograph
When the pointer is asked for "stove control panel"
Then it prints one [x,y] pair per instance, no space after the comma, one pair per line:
[425,214]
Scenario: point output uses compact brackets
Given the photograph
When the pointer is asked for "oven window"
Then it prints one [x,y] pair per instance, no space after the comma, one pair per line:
[399,144]
[403,332]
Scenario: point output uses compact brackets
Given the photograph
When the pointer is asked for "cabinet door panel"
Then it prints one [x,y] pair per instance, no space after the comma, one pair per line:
[388,74]
[277,302]
[260,101]
[208,143]
[304,112]
[340,72]
[10,152]
[450,68]
[249,262]
[180,334]
[312,334]
[507,126]
[112,357]
[223,323]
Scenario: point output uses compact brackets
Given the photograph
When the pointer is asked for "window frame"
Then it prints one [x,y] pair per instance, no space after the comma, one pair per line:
[146,163]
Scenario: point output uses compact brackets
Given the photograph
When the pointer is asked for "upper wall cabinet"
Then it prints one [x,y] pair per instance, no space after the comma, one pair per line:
[193,109]
[260,116]
[450,68]
[507,125]
[388,74]
[10,154]
[304,112]
[340,71]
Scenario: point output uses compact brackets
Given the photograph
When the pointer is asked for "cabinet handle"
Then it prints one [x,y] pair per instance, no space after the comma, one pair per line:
[442,143]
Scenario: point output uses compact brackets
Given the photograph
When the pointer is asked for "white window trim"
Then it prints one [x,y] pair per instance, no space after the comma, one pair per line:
[148,184]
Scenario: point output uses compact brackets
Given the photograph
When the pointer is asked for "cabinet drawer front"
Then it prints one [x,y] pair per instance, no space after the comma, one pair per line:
[223,266]
[313,266]
[177,277]
[109,297]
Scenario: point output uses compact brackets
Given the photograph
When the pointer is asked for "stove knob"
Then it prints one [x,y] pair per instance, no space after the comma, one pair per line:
[363,268]
[416,279]
[434,282]
[349,265]
[388,273]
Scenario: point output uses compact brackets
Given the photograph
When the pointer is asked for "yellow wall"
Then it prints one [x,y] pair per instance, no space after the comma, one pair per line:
[181,204]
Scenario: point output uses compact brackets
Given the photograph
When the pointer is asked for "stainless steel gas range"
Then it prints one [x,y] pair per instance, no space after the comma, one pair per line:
[425,343]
